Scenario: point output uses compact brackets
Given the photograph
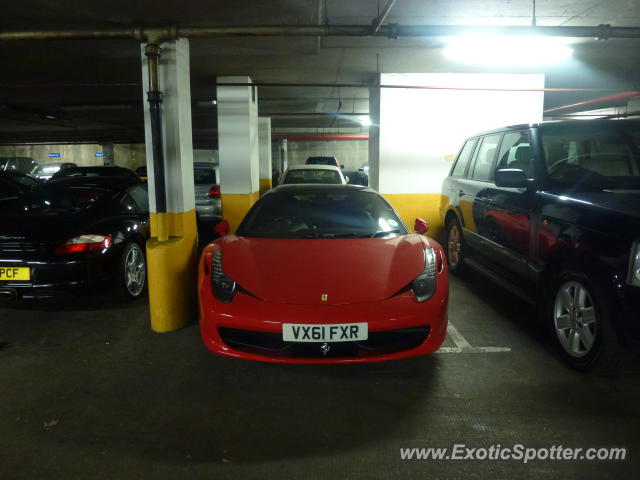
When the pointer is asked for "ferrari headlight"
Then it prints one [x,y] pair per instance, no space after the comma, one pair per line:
[222,286]
[633,277]
[424,286]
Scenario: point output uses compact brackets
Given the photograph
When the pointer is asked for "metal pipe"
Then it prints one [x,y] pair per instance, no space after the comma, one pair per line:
[154,96]
[409,87]
[313,114]
[594,101]
[318,138]
[379,20]
[603,31]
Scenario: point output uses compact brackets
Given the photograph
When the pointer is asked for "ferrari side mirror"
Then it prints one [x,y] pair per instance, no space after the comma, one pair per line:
[222,228]
[421,226]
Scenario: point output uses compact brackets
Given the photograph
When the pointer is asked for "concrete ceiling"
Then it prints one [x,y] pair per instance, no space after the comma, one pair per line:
[91,90]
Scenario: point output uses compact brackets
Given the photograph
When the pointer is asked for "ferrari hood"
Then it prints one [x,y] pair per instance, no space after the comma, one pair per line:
[323,271]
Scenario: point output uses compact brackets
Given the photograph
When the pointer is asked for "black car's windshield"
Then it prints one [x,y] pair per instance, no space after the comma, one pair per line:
[589,158]
[49,168]
[204,175]
[25,180]
[61,201]
[313,175]
[95,172]
[321,213]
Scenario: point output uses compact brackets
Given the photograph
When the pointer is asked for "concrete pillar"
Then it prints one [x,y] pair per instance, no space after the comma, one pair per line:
[172,263]
[108,157]
[633,105]
[416,133]
[238,148]
[264,153]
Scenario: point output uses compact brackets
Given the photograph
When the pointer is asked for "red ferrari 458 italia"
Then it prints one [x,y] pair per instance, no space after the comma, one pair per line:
[323,274]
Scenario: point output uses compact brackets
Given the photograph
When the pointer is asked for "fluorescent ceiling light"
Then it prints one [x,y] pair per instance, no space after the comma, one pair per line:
[508,50]
[365,121]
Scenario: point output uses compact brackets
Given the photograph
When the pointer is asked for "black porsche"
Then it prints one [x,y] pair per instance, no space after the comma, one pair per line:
[75,233]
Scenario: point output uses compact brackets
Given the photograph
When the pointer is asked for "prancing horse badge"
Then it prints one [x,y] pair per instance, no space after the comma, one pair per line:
[324,297]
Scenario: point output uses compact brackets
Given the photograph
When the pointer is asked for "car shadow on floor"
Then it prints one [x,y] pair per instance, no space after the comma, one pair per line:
[226,411]
[513,312]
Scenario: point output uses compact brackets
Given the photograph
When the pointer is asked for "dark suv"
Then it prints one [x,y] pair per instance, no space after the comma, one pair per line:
[551,211]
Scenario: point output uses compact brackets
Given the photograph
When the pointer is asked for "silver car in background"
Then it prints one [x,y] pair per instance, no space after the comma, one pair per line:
[207,191]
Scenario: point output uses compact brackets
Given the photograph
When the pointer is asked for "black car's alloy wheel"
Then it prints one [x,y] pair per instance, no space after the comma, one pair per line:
[133,271]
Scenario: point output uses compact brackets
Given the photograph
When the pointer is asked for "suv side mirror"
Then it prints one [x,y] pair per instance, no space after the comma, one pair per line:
[511,178]
[222,228]
[421,226]
[342,166]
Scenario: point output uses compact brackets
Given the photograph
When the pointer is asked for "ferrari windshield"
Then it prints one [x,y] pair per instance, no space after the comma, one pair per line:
[326,212]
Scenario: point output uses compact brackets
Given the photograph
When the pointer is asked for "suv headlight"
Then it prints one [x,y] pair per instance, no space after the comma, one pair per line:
[222,286]
[633,278]
[424,286]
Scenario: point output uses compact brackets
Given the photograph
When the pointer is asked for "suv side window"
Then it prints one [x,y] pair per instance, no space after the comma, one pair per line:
[515,152]
[485,156]
[463,159]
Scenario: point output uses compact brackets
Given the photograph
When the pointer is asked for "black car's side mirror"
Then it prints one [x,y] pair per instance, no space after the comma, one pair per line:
[511,178]
[361,169]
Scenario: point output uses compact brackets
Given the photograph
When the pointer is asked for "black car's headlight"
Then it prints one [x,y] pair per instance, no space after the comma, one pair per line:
[222,286]
[424,285]
[633,277]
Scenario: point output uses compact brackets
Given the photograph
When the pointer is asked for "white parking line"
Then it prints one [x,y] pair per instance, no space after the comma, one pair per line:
[457,337]
[463,346]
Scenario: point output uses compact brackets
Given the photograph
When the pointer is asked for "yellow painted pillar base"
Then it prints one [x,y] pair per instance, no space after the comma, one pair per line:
[235,206]
[172,272]
[265,185]
[418,205]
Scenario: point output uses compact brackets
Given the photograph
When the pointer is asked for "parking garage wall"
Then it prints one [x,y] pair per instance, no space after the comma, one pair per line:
[84,155]
[124,155]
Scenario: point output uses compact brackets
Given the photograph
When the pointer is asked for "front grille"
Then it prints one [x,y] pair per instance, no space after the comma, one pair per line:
[12,247]
[272,345]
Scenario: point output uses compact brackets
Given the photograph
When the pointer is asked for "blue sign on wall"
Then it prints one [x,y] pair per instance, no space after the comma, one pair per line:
[98,154]
[54,155]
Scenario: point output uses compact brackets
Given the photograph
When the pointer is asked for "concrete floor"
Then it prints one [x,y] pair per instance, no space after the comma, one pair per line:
[88,391]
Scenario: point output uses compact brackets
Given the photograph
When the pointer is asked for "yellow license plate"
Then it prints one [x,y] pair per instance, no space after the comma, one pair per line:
[15,273]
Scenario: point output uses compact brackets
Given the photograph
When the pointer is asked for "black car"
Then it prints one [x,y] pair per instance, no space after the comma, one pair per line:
[360,177]
[18,164]
[551,211]
[74,233]
[94,172]
[14,184]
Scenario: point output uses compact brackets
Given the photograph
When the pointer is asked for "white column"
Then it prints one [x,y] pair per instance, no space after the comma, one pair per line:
[238,147]
[176,126]
[264,147]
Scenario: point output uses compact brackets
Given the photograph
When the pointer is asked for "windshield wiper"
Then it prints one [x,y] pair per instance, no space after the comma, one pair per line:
[382,233]
[343,235]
